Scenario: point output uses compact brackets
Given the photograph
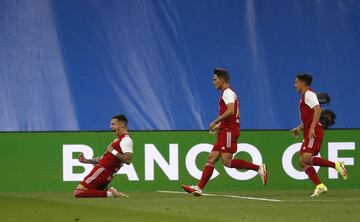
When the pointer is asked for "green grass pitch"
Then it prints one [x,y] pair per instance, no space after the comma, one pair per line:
[294,205]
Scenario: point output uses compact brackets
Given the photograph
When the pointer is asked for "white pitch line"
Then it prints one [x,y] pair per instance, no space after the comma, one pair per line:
[224,195]
[325,200]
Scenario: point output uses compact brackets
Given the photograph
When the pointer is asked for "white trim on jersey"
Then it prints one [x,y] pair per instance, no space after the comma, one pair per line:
[96,174]
[311,143]
[311,99]
[126,144]
[228,139]
[228,96]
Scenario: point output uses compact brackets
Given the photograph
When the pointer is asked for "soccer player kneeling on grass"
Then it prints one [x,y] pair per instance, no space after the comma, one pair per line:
[313,134]
[116,154]
[228,127]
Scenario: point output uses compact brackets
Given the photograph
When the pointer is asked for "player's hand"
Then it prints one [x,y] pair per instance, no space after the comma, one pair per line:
[82,159]
[312,133]
[296,132]
[213,125]
[214,129]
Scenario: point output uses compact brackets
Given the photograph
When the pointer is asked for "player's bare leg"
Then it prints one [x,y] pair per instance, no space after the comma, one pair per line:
[206,175]
[228,161]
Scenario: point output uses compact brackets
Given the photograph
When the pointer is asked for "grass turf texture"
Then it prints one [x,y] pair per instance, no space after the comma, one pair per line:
[337,205]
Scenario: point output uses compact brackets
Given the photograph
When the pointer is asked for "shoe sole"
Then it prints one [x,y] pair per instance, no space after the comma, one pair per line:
[342,166]
[196,194]
[318,194]
[322,193]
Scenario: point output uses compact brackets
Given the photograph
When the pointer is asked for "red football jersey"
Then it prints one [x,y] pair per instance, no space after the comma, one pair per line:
[108,160]
[232,122]
[307,102]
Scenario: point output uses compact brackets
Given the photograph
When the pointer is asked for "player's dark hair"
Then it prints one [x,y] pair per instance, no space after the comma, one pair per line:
[222,73]
[304,77]
[121,118]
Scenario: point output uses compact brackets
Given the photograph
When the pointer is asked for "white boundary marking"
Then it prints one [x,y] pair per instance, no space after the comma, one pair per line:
[265,199]
[223,195]
[324,200]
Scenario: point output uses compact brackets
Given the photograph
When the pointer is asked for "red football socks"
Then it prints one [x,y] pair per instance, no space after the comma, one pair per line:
[242,164]
[90,193]
[206,175]
[310,171]
[317,161]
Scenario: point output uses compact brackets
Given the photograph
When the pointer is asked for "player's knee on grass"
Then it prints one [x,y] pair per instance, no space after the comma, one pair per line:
[77,193]
[78,190]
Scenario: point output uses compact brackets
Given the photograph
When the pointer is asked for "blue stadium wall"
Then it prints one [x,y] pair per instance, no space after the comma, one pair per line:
[70,65]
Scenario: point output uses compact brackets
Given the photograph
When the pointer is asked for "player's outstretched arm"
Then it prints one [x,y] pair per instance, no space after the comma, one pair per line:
[82,159]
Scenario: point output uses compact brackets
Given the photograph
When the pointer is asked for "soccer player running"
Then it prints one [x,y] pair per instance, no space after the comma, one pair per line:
[313,134]
[116,154]
[228,127]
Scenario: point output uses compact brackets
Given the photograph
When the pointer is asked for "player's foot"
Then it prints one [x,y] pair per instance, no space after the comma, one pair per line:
[320,189]
[263,173]
[116,193]
[340,168]
[193,190]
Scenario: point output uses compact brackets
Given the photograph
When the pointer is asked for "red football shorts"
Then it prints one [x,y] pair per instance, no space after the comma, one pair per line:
[311,146]
[98,178]
[226,141]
